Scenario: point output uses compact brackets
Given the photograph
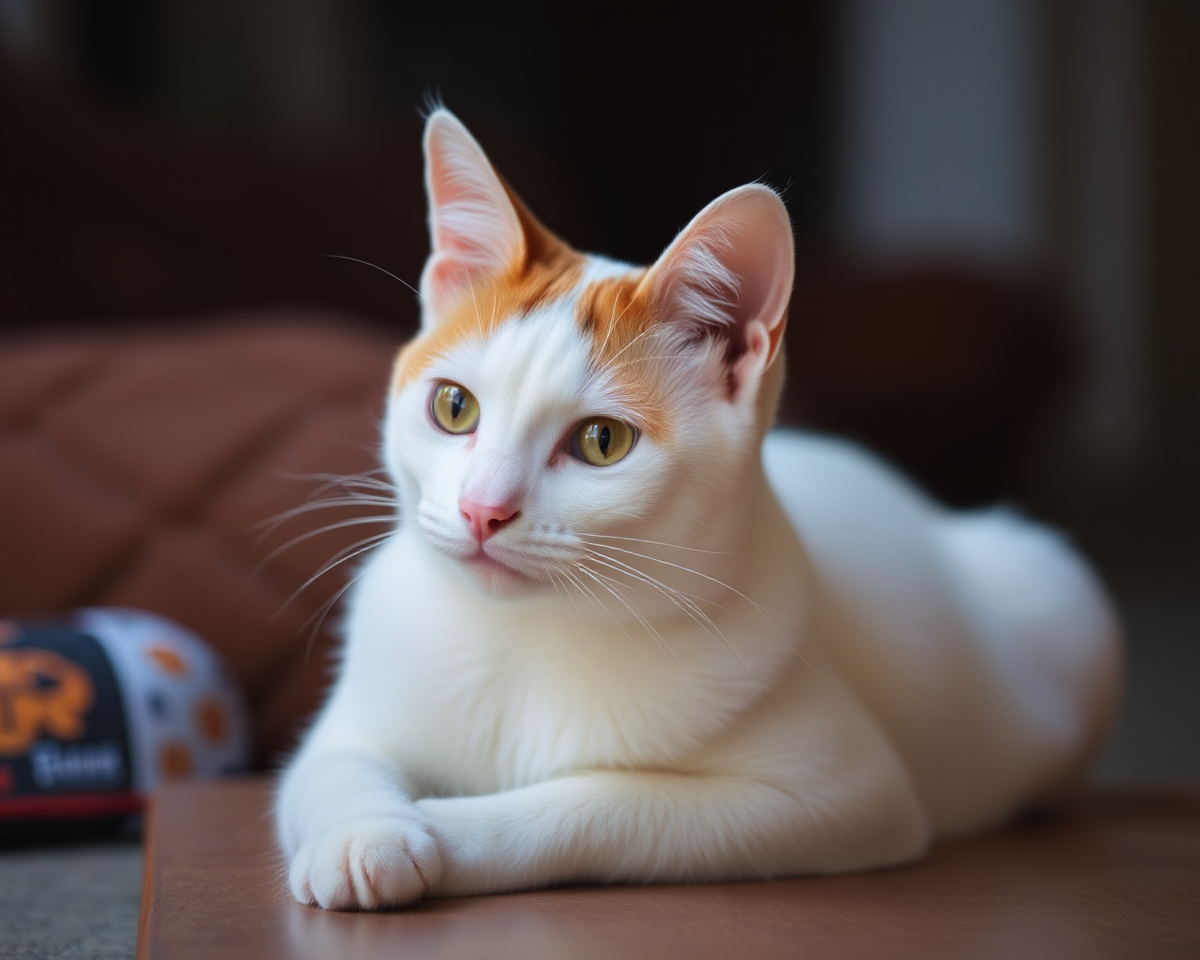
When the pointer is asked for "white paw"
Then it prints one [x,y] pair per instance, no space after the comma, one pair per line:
[366,864]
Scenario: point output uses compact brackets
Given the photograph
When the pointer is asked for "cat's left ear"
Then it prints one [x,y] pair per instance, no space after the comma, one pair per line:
[474,225]
[729,274]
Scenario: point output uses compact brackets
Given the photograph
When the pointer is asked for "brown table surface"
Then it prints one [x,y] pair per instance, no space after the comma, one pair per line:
[1116,876]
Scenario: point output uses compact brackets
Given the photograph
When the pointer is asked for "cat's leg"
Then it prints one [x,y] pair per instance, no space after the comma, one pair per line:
[828,805]
[352,838]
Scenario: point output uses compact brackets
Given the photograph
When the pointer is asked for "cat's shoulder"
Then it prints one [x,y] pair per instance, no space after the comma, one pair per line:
[787,450]
[814,473]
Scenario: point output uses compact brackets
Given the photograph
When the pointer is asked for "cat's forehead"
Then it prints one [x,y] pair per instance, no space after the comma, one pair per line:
[585,322]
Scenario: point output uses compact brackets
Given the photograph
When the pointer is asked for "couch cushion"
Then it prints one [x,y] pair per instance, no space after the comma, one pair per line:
[136,470]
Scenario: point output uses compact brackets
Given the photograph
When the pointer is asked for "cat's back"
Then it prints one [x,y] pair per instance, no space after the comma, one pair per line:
[981,640]
[843,501]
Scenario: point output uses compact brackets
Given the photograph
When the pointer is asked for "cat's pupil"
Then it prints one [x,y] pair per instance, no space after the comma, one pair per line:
[456,403]
[605,437]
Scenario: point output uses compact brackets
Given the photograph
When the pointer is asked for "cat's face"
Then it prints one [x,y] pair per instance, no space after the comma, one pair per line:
[558,409]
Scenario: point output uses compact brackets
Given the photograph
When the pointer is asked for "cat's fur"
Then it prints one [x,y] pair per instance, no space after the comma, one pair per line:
[720,657]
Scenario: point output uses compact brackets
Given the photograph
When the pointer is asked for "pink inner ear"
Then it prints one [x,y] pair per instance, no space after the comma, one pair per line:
[474,226]
[730,270]
[445,274]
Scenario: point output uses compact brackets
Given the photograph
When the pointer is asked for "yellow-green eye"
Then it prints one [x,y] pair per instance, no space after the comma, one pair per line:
[455,409]
[601,441]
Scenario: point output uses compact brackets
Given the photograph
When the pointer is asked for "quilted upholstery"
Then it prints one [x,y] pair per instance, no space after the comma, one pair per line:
[134,468]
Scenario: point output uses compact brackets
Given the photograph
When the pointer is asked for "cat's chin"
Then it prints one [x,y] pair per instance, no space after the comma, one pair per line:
[498,579]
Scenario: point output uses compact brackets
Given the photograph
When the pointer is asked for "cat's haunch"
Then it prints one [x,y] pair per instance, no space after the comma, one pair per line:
[621,632]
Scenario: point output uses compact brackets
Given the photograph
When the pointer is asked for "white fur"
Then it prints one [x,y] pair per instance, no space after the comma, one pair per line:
[831,672]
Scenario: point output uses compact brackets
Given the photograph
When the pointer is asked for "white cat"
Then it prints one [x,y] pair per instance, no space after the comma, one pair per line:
[617,636]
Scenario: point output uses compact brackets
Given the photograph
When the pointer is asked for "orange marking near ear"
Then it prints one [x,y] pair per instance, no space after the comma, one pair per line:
[547,270]
[618,315]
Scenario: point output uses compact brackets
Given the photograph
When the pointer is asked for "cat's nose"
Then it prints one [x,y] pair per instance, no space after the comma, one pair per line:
[485,521]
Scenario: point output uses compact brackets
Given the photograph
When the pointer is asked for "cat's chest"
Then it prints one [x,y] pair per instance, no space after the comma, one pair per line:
[474,717]
[472,703]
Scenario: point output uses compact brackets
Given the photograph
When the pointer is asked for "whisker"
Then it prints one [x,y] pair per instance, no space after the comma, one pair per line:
[273,523]
[702,619]
[357,521]
[672,356]
[362,547]
[762,611]
[478,318]
[645,333]
[323,611]
[375,266]
[656,543]
[603,607]
[562,591]
[367,486]
[612,323]
[720,583]
[366,478]
[583,588]
[610,585]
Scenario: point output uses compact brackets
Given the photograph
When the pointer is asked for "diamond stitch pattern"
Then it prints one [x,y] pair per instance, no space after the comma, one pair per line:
[136,469]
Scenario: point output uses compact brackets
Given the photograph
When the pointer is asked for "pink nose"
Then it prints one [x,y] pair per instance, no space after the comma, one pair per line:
[485,521]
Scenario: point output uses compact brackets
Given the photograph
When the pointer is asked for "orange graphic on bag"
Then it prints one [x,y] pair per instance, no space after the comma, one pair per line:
[40,692]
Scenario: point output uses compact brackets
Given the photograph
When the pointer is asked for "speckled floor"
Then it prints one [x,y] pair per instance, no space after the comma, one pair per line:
[70,903]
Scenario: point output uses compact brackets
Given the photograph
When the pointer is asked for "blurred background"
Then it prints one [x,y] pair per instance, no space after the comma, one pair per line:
[996,202]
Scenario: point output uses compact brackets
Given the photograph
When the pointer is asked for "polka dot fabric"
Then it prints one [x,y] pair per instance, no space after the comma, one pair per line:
[184,712]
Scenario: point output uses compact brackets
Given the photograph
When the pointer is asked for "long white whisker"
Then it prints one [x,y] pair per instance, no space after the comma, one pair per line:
[478,318]
[357,521]
[612,324]
[681,600]
[375,266]
[762,611]
[677,597]
[705,576]
[323,611]
[659,543]
[645,333]
[612,586]
[583,588]
[273,523]
[670,356]
[369,545]
[562,591]
[366,478]
[604,608]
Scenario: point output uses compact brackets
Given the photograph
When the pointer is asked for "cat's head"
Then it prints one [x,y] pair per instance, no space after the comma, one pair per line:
[555,403]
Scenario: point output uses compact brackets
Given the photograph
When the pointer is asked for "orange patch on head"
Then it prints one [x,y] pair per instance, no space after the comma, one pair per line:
[484,308]
[618,316]
[545,270]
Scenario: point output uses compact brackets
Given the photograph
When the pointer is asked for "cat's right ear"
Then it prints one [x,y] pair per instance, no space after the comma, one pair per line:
[473,225]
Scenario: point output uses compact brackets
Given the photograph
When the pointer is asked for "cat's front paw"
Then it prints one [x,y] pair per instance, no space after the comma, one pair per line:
[366,864]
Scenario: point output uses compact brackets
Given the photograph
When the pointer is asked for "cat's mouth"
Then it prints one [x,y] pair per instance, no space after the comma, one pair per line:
[493,571]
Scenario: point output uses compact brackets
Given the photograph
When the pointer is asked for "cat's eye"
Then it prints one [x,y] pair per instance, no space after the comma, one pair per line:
[454,408]
[601,441]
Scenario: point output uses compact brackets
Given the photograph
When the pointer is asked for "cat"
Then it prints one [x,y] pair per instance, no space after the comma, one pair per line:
[622,632]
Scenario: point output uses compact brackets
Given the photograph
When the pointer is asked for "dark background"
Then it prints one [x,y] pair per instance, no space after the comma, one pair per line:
[995,201]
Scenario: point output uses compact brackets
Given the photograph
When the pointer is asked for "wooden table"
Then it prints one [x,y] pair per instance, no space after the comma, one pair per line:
[1118,876]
